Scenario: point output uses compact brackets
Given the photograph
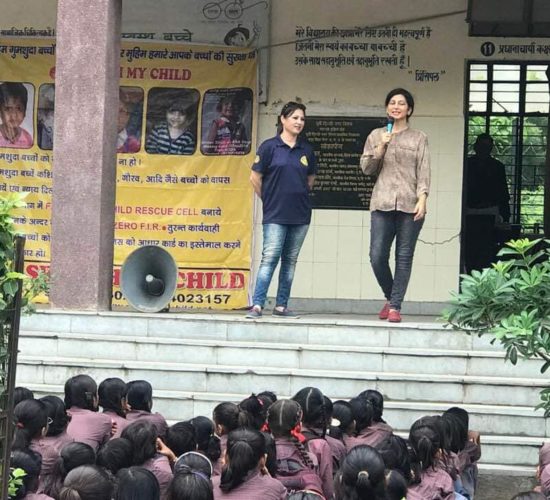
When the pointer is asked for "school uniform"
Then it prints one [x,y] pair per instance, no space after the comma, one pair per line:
[155,418]
[49,447]
[469,474]
[255,487]
[435,484]
[321,449]
[287,451]
[159,465]
[337,448]
[217,466]
[121,422]
[89,427]
[372,435]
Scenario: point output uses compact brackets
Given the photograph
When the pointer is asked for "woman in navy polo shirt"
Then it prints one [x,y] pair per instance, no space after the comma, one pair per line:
[282,176]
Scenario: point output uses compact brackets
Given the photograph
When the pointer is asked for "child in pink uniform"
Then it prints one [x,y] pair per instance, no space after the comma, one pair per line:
[86,425]
[30,462]
[112,394]
[430,479]
[50,445]
[13,107]
[297,468]
[312,402]
[140,401]
[244,475]
[148,452]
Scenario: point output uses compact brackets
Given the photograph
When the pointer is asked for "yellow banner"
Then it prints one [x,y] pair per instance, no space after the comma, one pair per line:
[186,140]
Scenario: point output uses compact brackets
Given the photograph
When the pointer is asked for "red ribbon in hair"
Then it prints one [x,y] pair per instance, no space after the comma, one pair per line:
[265,428]
[297,434]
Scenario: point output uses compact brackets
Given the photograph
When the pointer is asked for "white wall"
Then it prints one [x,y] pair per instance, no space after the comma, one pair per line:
[334,262]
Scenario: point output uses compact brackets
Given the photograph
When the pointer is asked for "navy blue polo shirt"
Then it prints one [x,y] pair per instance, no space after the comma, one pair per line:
[285,192]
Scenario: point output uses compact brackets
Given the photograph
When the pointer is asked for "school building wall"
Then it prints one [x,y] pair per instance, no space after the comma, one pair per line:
[334,262]
[428,58]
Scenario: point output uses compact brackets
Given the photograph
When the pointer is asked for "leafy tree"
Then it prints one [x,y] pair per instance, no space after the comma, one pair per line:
[510,302]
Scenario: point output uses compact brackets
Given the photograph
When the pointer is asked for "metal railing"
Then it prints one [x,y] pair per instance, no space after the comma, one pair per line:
[9,339]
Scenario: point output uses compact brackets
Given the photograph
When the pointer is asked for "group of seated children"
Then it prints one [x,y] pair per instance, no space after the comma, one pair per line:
[106,444]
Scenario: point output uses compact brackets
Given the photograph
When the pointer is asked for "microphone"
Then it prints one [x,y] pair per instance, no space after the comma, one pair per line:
[389,126]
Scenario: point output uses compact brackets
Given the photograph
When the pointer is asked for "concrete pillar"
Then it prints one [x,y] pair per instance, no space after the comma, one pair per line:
[86,111]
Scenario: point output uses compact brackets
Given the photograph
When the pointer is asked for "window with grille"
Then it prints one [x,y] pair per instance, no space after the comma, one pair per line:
[510,101]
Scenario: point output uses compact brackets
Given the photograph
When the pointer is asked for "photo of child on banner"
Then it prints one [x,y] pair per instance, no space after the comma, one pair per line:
[45,116]
[16,104]
[130,112]
[226,121]
[172,121]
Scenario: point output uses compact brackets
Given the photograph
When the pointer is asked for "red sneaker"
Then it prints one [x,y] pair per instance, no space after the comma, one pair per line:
[394,316]
[383,314]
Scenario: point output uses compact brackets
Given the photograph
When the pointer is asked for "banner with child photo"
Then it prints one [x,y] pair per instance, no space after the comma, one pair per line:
[186,140]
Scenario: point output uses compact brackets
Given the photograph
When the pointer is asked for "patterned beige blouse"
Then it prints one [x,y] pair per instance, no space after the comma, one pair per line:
[403,171]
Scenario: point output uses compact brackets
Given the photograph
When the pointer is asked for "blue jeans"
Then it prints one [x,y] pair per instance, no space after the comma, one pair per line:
[385,227]
[281,241]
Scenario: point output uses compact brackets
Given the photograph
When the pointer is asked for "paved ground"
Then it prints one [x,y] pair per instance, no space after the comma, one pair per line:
[502,487]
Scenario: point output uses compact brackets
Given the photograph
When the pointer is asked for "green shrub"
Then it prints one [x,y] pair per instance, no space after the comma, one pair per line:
[511,302]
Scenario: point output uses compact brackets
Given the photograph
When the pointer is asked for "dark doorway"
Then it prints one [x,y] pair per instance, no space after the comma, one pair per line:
[509,101]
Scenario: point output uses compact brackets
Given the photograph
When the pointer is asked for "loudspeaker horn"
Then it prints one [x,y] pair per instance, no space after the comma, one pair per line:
[148,278]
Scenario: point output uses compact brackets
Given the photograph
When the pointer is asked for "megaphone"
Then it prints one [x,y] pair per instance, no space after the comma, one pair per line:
[148,278]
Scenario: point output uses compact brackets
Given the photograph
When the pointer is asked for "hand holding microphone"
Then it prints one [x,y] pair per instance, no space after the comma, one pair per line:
[386,136]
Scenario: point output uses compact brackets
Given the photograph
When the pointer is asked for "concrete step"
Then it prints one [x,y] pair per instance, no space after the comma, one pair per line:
[196,360]
[493,423]
[454,389]
[328,330]
[307,356]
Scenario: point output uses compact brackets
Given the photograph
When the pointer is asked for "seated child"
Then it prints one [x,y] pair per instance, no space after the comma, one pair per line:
[13,107]
[430,479]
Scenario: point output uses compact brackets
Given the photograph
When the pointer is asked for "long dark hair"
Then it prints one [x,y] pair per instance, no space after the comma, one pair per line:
[245,448]
[137,483]
[341,411]
[395,453]
[31,463]
[376,399]
[111,393]
[312,402]
[190,484]
[286,111]
[256,409]
[30,419]
[283,416]
[362,413]
[361,475]
[56,411]
[425,440]
[207,441]
[81,391]
[231,417]
[140,395]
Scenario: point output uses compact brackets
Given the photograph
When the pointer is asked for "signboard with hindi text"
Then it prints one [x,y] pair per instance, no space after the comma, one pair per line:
[186,140]
[338,142]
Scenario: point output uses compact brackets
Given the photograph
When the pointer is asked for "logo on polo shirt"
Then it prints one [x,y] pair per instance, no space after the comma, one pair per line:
[303,161]
[257,159]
